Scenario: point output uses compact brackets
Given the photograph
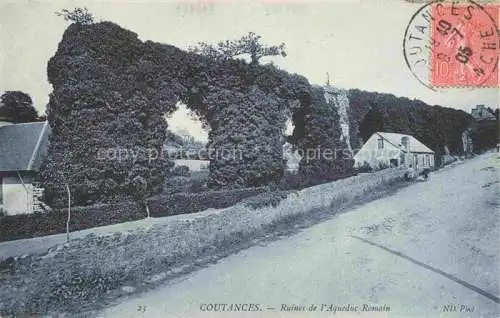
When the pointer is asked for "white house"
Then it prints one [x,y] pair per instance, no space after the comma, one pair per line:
[384,149]
[22,147]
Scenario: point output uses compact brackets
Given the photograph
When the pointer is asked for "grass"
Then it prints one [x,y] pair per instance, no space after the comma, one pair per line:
[90,271]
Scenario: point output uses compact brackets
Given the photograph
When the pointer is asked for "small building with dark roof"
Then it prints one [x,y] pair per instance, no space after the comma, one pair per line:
[482,113]
[22,148]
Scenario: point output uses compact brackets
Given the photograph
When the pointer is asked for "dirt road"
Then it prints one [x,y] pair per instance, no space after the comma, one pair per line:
[430,250]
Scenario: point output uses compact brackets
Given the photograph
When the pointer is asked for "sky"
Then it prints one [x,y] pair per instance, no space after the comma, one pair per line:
[358,42]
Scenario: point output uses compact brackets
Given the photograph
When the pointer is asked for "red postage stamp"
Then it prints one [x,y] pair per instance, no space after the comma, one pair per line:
[465,45]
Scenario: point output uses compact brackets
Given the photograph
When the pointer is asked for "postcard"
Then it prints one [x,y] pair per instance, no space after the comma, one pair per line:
[267,158]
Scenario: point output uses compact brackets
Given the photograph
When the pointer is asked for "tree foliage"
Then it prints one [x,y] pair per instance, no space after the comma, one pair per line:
[77,15]
[249,44]
[174,139]
[17,107]
[112,92]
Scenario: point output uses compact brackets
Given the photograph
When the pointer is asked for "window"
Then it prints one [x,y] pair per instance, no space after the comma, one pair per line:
[393,162]
[381,143]
[428,160]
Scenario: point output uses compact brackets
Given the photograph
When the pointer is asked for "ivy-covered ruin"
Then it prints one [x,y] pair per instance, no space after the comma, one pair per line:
[111,92]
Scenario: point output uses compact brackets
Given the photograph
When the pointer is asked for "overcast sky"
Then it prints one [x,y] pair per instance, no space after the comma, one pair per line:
[359,42]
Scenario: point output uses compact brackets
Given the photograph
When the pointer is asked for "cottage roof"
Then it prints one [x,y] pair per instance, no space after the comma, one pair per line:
[480,112]
[414,144]
[22,146]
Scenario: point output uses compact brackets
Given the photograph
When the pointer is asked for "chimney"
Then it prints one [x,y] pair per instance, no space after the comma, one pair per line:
[404,142]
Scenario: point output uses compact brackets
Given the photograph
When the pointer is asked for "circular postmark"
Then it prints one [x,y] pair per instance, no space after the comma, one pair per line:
[453,44]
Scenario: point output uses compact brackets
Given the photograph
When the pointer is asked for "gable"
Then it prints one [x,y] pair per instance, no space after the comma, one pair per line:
[391,144]
[414,144]
[373,143]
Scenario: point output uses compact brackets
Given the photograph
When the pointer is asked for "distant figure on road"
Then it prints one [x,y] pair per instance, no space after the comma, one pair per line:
[410,173]
[413,173]
[425,173]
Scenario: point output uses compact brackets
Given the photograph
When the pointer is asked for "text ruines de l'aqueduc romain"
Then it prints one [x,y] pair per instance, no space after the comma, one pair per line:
[211,307]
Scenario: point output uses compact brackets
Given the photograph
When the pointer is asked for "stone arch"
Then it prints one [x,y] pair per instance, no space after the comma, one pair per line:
[111,90]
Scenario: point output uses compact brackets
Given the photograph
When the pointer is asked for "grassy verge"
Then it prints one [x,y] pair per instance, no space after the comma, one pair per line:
[91,272]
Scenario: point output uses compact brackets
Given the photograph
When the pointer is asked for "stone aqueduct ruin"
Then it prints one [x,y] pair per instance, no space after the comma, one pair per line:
[111,91]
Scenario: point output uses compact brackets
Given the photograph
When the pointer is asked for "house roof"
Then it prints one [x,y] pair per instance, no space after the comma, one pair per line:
[414,144]
[482,113]
[22,146]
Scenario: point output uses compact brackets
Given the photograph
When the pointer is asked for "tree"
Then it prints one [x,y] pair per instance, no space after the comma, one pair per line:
[78,15]
[173,138]
[249,44]
[18,107]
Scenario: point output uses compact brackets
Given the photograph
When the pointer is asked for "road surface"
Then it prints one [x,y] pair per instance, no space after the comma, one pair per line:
[429,250]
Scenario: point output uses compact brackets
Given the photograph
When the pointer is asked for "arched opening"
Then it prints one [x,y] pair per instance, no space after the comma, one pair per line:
[291,156]
[119,103]
[186,146]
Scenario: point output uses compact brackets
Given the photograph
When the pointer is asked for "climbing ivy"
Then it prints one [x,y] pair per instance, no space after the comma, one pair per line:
[111,92]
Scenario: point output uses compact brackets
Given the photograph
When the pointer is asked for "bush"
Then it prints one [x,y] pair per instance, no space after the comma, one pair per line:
[365,167]
[197,186]
[382,165]
[80,275]
[181,171]
[195,183]
[14,227]
[292,180]
[183,203]
[270,198]
[298,181]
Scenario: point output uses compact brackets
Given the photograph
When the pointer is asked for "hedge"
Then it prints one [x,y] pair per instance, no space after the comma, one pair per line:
[14,227]
[182,203]
[72,279]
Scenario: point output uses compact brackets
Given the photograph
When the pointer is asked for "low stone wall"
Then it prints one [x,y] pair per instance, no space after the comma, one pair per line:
[184,203]
[95,267]
[343,192]
[15,227]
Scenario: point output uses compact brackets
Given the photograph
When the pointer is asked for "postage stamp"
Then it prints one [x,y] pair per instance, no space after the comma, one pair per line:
[454,45]
[464,45]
